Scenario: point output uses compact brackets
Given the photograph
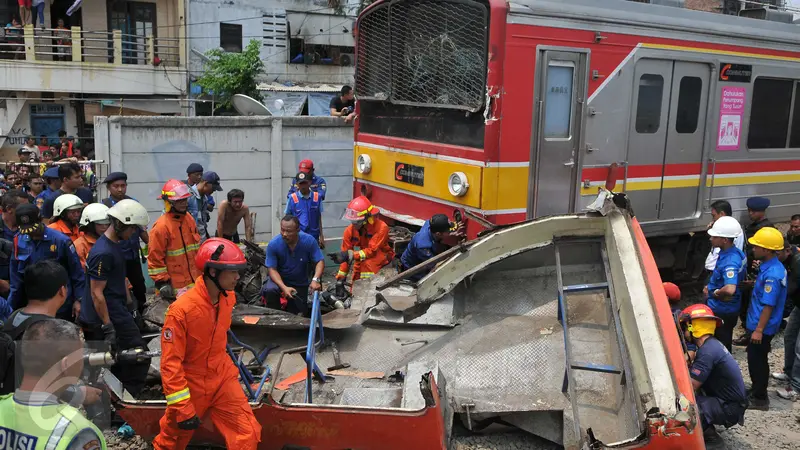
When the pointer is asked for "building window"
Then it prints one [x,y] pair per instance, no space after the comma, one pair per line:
[648,107]
[230,37]
[688,111]
[769,113]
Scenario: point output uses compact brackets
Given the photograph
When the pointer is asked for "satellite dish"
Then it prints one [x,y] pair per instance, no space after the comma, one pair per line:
[248,106]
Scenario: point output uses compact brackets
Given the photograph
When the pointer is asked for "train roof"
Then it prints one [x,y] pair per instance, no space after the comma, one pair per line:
[651,16]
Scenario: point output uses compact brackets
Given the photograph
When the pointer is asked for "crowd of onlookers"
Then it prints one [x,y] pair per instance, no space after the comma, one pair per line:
[12,41]
[34,159]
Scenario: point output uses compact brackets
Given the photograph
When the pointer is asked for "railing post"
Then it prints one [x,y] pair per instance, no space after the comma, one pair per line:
[151,49]
[117,37]
[77,48]
[30,43]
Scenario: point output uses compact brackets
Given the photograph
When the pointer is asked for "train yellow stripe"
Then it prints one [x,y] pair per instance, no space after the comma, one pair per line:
[753,179]
[720,52]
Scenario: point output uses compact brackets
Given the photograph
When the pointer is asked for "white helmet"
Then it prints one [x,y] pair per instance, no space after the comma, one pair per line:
[96,212]
[66,202]
[726,227]
[130,212]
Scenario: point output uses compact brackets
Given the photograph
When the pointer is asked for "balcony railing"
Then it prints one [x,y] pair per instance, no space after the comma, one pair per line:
[78,45]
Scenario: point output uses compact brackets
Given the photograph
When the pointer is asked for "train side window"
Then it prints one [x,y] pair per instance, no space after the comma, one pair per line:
[769,113]
[558,99]
[648,107]
[688,112]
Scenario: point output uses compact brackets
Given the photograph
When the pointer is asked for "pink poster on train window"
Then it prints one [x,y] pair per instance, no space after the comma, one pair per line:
[731,113]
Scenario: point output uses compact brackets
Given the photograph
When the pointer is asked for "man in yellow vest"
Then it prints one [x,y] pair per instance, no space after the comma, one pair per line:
[32,417]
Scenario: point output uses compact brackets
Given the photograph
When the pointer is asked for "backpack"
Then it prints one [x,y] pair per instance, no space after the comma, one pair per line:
[8,337]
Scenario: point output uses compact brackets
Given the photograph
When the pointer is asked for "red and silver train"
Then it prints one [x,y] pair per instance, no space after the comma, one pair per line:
[520,109]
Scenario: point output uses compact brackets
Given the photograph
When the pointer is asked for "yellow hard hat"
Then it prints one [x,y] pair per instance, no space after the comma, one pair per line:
[768,238]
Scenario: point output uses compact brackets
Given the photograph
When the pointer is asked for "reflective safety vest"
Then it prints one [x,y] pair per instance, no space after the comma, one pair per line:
[307,211]
[48,427]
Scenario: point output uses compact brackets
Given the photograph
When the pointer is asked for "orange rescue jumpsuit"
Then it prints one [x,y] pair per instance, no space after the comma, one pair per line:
[173,245]
[73,233]
[83,245]
[374,250]
[199,377]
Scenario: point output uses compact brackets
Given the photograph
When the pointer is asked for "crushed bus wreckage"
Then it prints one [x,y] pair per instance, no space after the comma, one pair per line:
[557,326]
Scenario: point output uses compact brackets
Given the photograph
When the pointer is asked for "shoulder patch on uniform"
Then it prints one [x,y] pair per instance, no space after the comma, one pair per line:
[53,248]
[730,273]
[168,334]
[92,445]
[696,371]
[768,288]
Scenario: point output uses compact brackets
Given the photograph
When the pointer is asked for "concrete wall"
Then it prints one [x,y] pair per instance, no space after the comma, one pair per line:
[258,155]
[203,31]
[15,123]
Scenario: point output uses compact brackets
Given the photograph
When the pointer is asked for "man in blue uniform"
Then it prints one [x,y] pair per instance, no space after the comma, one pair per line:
[722,290]
[306,205]
[53,184]
[198,202]
[35,242]
[426,243]
[288,258]
[9,203]
[765,312]
[317,183]
[105,313]
[117,184]
[722,398]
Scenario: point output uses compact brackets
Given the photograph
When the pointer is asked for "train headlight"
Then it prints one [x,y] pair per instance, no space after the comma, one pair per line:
[363,164]
[457,184]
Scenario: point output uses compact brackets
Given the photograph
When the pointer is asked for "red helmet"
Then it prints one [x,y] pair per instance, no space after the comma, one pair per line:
[175,190]
[359,209]
[699,311]
[673,292]
[220,254]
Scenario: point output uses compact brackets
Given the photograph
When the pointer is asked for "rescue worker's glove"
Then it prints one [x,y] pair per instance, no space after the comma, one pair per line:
[110,337]
[165,290]
[341,291]
[342,257]
[191,424]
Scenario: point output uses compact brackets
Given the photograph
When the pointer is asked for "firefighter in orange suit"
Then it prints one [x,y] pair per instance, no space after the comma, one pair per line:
[367,232]
[173,243]
[199,378]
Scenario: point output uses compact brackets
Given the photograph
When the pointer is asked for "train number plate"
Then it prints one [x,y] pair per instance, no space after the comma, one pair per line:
[408,173]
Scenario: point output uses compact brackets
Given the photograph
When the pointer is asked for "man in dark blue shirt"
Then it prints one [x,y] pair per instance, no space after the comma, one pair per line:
[288,257]
[426,244]
[104,312]
[714,372]
[722,292]
[9,203]
[71,183]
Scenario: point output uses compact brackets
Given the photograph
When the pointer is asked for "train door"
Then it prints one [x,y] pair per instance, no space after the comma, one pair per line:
[680,183]
[665,144]
[560,93]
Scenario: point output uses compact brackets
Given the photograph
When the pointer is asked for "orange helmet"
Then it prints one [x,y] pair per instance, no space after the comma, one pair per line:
[699,311]
[673,292]
[220,254]
[175,190]
[359,209]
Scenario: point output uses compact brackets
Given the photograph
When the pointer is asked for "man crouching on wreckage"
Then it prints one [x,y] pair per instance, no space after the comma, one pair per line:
[199,378]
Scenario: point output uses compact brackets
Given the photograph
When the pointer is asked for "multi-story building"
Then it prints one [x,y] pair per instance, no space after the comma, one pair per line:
[307,45]
[104,57]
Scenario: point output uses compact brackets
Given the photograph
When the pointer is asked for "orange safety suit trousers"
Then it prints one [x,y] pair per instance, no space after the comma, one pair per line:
[369,267]
[228,410]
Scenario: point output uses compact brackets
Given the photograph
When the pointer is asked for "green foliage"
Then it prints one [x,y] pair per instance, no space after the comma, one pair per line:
[227,74]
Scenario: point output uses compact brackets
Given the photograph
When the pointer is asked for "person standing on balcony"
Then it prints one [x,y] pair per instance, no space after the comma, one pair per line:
[38,7]
[24,11]
[64,49]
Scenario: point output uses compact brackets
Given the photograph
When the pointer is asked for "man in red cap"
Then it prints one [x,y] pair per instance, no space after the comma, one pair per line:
[317,183]
[673,295]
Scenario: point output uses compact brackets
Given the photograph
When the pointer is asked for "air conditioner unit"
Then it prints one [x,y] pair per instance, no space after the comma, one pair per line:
[347,59]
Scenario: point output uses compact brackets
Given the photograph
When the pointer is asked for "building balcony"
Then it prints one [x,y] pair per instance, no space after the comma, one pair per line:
[112,48]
